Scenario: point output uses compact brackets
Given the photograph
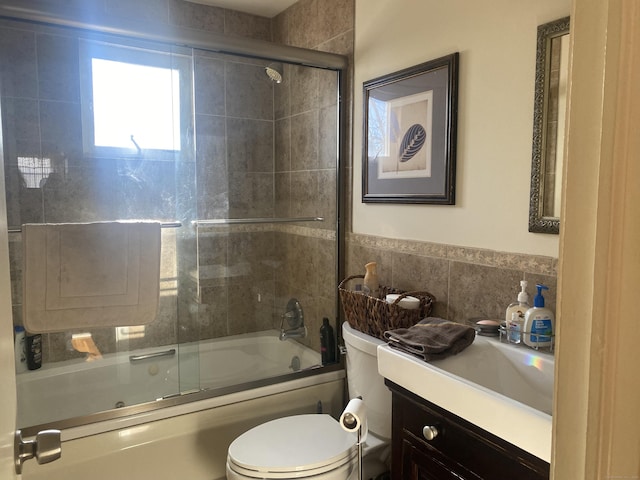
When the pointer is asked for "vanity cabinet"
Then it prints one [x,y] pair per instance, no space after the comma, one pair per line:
[430,443]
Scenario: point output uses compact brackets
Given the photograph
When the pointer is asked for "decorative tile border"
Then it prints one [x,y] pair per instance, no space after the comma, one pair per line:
[514,261]
[321,233]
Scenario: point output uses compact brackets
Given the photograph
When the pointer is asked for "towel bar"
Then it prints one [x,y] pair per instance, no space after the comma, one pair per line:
[162,225]
[238,221]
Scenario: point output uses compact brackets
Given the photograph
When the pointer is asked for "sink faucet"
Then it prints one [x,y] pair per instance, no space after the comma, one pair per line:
[295,319]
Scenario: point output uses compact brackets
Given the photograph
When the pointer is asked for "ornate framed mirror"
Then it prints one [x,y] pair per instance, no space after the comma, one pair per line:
[552,65]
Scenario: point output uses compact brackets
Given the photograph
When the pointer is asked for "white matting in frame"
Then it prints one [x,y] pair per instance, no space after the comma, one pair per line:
[409,134]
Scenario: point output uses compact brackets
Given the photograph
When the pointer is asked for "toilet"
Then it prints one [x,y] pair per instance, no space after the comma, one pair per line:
[315,445]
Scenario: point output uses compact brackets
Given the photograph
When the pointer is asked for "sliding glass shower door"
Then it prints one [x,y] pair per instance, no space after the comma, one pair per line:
[235,156]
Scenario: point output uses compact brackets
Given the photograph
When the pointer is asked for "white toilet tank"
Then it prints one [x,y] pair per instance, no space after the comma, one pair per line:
[364,380]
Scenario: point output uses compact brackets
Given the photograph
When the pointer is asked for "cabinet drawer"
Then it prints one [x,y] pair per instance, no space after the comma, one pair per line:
[463,445]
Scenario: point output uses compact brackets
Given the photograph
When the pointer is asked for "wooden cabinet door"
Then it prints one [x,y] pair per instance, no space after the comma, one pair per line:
[419,465]
[459,450]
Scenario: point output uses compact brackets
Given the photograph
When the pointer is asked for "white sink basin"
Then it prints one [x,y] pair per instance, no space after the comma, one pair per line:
[502,388]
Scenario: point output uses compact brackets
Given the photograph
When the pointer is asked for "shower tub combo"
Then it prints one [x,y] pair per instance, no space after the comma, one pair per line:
[171,408]
[195,432]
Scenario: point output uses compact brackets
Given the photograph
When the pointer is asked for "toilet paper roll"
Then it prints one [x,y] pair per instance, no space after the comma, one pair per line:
[354,417]
[408,302]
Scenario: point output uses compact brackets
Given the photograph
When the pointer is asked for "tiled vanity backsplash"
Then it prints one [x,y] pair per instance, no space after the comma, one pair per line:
[467,282]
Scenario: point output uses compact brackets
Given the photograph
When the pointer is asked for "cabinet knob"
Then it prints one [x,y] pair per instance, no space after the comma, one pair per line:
[430,432]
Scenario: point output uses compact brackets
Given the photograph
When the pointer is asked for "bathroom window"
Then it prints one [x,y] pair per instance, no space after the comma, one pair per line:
[379,128]
[135,101]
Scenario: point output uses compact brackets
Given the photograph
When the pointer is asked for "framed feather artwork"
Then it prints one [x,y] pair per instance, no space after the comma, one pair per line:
[410,120]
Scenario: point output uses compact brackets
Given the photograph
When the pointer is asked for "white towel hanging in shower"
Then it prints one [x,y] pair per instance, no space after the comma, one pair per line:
[85,275]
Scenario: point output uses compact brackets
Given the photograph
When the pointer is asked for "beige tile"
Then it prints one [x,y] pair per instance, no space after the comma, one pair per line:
[480,291]
[198,16]
[304,28]
[213,312]
[247,312]
[335,17]
[249,92]
[280,28]
[282,93]
[23,129]
[250,145]
[328,137]
[359,255]
[304,194]
[251,195]
[304,141]
[418,273]
[58,66]
[209,85]
[60,128]
[304,88]
[247,25]
[18,63]
[283,145]
[156,11]
[326,199]
[341,44]
[283,195]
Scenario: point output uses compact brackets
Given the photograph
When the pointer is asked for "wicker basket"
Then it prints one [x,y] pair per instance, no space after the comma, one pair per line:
[373,315]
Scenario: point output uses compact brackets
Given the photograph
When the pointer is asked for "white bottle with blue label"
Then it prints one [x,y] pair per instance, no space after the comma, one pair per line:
[538,322]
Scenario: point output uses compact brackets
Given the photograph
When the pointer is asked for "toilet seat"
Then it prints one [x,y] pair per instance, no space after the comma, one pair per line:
[293,447]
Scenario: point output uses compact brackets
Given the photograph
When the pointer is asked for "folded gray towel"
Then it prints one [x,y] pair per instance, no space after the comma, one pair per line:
[432,338]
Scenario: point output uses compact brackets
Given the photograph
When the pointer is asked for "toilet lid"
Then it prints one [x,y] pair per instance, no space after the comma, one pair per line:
[301,443]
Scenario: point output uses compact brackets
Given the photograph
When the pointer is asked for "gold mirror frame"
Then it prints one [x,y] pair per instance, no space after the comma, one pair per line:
[548,126]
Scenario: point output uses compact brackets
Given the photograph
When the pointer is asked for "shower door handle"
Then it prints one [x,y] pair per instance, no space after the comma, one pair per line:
[46,447]
[146,356]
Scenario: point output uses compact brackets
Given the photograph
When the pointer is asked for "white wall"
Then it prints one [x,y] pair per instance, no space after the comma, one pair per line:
[497,45]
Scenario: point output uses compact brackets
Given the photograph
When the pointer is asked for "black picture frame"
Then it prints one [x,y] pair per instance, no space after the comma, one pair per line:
[409,136]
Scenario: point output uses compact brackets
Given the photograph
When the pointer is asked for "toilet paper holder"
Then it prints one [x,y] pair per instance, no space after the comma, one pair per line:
[354,419]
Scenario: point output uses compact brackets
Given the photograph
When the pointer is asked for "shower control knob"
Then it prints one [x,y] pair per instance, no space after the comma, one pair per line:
[430,432]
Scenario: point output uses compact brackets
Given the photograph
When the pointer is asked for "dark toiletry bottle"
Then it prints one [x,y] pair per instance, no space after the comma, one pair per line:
[34,351]
[327,343]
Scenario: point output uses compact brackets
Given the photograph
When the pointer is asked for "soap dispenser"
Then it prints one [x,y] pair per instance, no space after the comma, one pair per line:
[514,317]
[538,322]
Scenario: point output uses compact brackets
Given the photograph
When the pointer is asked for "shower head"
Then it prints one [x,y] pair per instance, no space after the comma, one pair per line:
[274,72]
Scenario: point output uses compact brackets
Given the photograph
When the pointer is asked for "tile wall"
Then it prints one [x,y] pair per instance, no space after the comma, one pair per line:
[468,283]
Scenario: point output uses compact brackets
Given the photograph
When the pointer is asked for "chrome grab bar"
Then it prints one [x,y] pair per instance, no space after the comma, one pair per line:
[146,356]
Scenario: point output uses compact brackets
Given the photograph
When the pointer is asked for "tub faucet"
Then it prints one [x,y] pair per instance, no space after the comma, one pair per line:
[295,320]
[293,333]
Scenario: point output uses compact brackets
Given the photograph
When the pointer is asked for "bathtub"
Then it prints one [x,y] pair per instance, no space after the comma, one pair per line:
[189,435]
[189,440]
[77,388]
